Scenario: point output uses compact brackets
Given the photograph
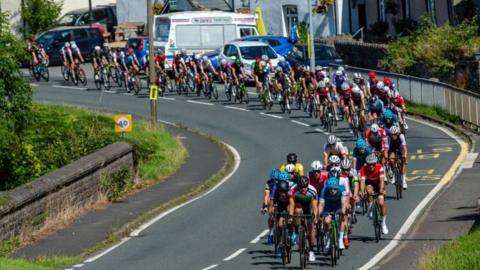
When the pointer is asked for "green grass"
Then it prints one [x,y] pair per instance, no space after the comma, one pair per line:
[460,254]
[434,112]
[51,263]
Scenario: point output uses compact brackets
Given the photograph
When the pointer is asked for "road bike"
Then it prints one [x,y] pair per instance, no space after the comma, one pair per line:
[40,70]
[303,246]
[134,83]
[285,99]
[393,172]
[374,211]
[328,119]
[228,86]
[102,78]
[242,93]
[266,95]
[281,238]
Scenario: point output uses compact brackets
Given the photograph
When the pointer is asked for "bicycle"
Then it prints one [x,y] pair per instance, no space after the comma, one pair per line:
[209,88]
[282,238]
[134,83]
[102,78]
[394,171]
[40,70]
[303,248]
[228,84]
[377,221]
[242,94]
[333,234]
[79,75]
[285,100]
[266,95]
[328,118]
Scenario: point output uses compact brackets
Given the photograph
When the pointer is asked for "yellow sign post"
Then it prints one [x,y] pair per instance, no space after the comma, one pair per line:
[153,92]
[123,123]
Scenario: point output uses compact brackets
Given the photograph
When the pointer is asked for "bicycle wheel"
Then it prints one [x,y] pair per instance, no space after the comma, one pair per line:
[98,81]
[120,77]
[283,108]
[315,109]
[398,182]
[376,222]
[302,239]
[65,73]
[179,85]
[137,85]
[82,77]
[228,93]
[45,73]
[245,96]
[214,90]
[106,80]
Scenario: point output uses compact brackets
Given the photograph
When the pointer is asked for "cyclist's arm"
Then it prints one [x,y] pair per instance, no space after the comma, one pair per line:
[314,209]
[291,206]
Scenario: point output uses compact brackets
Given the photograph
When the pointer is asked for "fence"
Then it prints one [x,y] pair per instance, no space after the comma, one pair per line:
[456,101]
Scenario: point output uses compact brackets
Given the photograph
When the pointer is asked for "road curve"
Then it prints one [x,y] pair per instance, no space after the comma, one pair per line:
[221,230]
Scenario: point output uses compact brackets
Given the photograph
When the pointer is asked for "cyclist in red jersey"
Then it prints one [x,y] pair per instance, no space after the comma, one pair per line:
[372,179]
[376,138]
[346,101]
[397,104]
[322,95]
[317,176]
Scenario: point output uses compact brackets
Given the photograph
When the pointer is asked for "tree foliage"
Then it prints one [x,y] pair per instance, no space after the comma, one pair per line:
[39,15]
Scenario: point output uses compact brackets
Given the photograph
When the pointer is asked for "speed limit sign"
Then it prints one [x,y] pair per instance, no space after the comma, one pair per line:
[123,123]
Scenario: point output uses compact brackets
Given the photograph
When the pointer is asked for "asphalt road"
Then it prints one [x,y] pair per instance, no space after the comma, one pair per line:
[220,231]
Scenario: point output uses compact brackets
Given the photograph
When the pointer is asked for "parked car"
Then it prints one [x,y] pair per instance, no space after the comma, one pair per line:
[324,55]
[248,52]
[85,37]
[103,14]
[281,45]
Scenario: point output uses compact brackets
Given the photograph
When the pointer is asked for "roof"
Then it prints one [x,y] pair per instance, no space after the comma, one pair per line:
[268,36]
[60,28]
[213,13]
[85,10]
[247,43]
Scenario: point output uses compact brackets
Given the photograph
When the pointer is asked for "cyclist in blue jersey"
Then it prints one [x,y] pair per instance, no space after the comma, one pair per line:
[360,153]
[333,198]
[274,174]
[375,108]
[388,120]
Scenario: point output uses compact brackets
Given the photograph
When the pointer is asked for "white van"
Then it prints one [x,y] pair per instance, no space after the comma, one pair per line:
[200,31]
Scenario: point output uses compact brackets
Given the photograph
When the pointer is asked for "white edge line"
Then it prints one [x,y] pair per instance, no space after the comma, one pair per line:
[210,267]
[253,93]
[256,239]
[235,254]
[413,216]
[168,123]
[91,259]
[160,216]
[69,269]
[199,102]
[34,85]
[271,115]
[69,87]
[320,130]
[236,108]
[300,123]
[78,265]
[167,98]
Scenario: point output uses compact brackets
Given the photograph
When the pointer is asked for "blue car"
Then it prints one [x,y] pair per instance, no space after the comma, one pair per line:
[281,45]
[324,55]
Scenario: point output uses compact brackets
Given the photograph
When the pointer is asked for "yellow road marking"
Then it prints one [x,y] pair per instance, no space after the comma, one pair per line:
[461,157]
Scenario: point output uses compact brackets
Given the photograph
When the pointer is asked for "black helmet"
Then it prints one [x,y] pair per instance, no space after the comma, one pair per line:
[282,186]
[334,173]
[303,182]
[292,158]
[373,99]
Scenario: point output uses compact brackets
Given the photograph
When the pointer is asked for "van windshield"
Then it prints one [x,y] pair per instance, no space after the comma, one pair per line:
[162,29]
[254,52]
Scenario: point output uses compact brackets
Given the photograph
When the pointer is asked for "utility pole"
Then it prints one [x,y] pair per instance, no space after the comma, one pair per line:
[312,49]
[90,14]
[153,102]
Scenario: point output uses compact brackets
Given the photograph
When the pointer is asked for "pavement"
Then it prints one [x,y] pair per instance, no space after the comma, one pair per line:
[204,160]
[452,214]
[224,229]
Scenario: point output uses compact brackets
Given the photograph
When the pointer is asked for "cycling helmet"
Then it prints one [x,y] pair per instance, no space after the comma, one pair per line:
[307,68]
[290,168]
[394,130]
[74,46]
[238,61]
[274,174]
[324,73]
[223,62]
[105,45]
[197,57]
[334,159]
[332,139]
[122,54]
[345,86]
[279,69]
[283,176]
[357,75]
[346,164]
[334,173]
[380,85]
[372,74]
[371,159]
[281,59]
[327,80]
[264,57]
[361,143]
[67,45]
[159,51]
[373,99]
[282,186]
[388,114]
[292,158]
[205,58]
[356,89]
[318,68]
[316,165]
[321,84]
[332,183]
[387,81]
[302,182]
[183,51]
[341,68]
[97,48]
[374,128]
[338,73]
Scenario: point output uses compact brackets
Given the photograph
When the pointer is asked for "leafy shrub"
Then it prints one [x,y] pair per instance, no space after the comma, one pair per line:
[116,183]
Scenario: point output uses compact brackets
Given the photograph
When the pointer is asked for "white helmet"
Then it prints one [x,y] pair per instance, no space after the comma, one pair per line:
[374,128]
[278,69]
[394,130]
[183,51]
[380,85]
[341,68]
[307,68]
[105,45]
[345,86]
[197,57]
[97,48]
[205,58]
[281,59]
[357,75]
[338,73]
[263,63]
[356,89]
[327,80]
[290,168]
[346,164]
[318,68]
[122,54]
[264,57]
[74,46]
[223,62]
[321,84]
[67,45]
[334,159]
[317,165]
[324,73]
[332,139]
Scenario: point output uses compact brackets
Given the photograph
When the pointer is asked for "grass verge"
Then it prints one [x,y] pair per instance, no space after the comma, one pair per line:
[460,254]
[434,112]
[51,263]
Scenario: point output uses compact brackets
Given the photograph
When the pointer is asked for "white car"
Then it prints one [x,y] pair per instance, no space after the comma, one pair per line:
[248,52]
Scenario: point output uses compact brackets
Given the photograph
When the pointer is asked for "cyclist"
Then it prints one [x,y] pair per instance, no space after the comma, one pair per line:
[207,67]
[339,78]
[238,71]
[371,82]
[309,84]
[159,63]
[384,94]
[375,108]
[334,147]
[274,176]
[179,64]
[260,73]
[76,56]
[360,82]
[286,67]
[397,148]
[292,159]
[304,201]
[377,87]
[38,53]
[358,97]
[346,102]
[66,54]
[132,64]
[279,200]
[317,176]
[372,179]
[226,71]
[360,153]
[388,120]
[196,67]
[97,62]
[333,166]
[349,177]
[397,104]
[333,199]
[376,138]
[322,95]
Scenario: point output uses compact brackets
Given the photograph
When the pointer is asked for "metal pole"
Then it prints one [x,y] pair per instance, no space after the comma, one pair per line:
[90,15]
[310,22]
[153,103]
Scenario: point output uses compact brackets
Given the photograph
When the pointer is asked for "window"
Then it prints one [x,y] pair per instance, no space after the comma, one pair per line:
[291,16]
[204,36]
[381,10]
[80,34]
[254,52]
[100,15]
[325,53]
[162,29]
[230,50]
[65,36]
[246,32]
[272,42]
[68,19]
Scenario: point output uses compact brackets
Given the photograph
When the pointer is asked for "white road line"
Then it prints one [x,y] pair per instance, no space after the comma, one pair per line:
[167,98]
[168,123]
[236,108]
[300,123]
[78,265]
[96,257]
[199,102]
[162,215]
[253,93]
[260,236]
[69,87]
[320,130]
[128,94]
[34,85]
[69,269]
[421,185]
[271,115]
[418,210]
[235,254]
[210,267]
[110,92]
[470,160]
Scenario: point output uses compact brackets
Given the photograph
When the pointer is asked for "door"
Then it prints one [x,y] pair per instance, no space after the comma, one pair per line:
[362,16]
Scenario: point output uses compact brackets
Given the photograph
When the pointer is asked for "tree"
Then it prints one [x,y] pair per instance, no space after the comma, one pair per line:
[39,15]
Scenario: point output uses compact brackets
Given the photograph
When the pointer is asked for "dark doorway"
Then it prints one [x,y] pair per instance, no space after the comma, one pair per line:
[362,16]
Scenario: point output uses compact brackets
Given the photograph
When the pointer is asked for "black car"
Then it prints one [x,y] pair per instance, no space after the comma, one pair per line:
[105,14]
[85,37]
[324,55]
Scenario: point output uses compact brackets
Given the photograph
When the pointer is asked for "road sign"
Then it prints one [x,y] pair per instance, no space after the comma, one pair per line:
[123,123]
[153,92]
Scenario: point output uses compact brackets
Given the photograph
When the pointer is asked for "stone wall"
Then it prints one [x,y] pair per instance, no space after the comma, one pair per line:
[25,208]
[359,54]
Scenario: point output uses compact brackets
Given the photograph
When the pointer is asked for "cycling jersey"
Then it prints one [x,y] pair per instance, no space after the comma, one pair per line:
[304,198]
[357,98]
[285,67]
[281,79]
[332,202]
[388,123]
[298,168]
[339,80]
[398,103]
[346,95]
[361,158]
[160,60]
[97,57]
[350,179]
[317,183]
[372,175]
[238,69]
[178,61]
[377,107]
[377,141]
[281,200]
[384,95]
[337,149]
[323,92]
[397,145]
